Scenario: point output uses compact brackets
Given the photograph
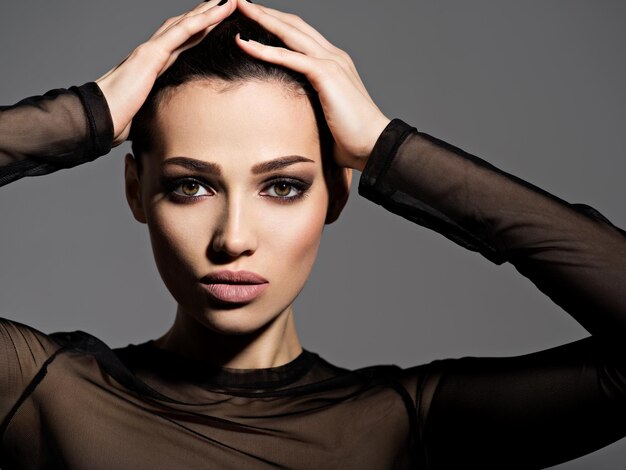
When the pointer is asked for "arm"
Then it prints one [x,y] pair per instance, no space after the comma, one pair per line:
[538,409]
[65,128]
[60,129]
[569,251]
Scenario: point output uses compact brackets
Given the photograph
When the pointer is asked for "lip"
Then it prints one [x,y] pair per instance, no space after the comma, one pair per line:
[233,277]
[234,286]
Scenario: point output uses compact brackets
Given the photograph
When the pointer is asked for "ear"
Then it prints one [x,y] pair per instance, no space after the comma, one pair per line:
[133,189]
[339,190]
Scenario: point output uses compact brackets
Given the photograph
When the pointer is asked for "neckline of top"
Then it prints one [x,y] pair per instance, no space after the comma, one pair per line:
[181,368]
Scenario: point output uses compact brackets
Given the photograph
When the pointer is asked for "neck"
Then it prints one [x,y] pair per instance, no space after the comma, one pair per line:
[272,345]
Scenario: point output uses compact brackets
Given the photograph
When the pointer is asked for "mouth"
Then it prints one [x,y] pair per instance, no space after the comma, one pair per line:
[234,286]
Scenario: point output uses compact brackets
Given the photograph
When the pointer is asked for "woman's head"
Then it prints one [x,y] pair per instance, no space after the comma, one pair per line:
[218,60]
[205,188]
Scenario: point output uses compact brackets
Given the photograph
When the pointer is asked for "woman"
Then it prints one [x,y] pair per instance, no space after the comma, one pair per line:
[223,164]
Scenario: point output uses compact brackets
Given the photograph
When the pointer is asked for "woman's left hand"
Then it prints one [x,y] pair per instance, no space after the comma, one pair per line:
[353,118]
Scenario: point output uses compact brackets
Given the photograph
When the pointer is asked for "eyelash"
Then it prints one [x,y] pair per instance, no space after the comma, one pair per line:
[171,185]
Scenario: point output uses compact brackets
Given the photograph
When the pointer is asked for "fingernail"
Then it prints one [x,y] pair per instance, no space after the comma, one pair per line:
[243,37]
[222,3]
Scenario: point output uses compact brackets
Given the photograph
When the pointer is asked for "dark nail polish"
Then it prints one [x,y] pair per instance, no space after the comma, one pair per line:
[243,37]
[222,3]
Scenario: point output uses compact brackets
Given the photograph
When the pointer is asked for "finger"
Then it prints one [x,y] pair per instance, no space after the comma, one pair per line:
[299,23]
[180,32]
[291,30]
[199,8]
[307,65]
[315,69]
[294,38]
[293,20]
[166,24]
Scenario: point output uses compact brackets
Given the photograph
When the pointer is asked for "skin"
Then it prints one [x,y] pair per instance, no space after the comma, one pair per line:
[238,228]
[237,220]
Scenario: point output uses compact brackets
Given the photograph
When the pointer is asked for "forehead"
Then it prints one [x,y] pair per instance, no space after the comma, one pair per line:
[245,123]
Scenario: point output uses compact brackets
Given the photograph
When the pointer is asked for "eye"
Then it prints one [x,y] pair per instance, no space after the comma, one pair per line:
[185,188]
[284,189]
[190,188]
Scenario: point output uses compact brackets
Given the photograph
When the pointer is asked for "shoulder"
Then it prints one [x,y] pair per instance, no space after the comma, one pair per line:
[24,351]
[25,342]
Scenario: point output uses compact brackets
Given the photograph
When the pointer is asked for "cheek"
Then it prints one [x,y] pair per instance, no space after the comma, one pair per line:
[179,237]
[294,234]
[294,238]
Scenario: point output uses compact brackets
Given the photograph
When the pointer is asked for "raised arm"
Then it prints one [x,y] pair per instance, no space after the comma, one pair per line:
[571,252]
[68,127]
[60,129]
[529,411]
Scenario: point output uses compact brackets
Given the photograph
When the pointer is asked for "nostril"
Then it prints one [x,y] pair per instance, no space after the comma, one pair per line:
[219,257]
[234,230]
[231,246]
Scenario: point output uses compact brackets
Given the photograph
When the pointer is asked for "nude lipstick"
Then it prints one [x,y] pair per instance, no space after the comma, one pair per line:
[234,286]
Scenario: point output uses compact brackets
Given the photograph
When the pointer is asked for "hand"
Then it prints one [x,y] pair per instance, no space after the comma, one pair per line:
[353,118]
[127,86]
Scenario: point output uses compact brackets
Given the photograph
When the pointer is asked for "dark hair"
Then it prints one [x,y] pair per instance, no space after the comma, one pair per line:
[217,56]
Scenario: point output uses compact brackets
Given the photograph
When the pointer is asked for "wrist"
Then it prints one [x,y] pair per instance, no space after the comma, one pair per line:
[376,130]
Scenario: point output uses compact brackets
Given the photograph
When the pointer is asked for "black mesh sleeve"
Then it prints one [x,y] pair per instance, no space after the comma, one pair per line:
[528,411]
[60,129]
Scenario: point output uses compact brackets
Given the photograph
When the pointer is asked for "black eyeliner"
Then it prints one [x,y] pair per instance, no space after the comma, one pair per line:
[169,184]
[300,185]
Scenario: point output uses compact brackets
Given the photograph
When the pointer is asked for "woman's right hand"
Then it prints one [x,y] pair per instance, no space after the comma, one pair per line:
[353,118]
[127,85]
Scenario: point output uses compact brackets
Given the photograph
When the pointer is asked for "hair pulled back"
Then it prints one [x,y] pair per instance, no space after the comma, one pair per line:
[217,56]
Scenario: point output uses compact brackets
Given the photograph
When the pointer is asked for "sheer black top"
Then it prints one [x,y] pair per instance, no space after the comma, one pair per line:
[67,400]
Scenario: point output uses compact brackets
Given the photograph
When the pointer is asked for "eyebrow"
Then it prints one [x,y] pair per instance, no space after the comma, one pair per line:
[257,169]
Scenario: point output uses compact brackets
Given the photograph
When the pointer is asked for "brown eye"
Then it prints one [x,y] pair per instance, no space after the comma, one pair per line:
[286,190]
[190,188]
[282,189]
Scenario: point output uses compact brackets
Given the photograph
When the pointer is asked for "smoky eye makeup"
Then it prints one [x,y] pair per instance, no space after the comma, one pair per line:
[286,189]
[184,186]
[281,188]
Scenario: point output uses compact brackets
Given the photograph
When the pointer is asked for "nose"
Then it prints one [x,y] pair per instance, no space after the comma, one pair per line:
[234,233]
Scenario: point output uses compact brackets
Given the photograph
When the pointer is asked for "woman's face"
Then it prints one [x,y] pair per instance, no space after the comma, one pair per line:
[213,201]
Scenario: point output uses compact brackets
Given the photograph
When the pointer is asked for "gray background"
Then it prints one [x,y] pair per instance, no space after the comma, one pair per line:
[535,88]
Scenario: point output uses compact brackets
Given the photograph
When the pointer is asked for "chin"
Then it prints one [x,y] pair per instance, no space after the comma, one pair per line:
[235,321]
